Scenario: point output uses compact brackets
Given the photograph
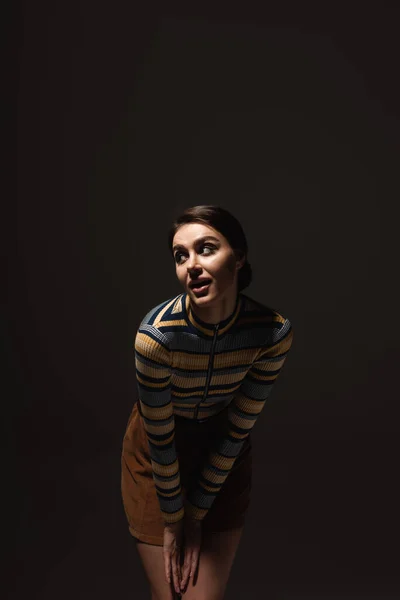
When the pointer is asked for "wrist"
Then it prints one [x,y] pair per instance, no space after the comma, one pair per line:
[194,513]
[192,521]
[173,526]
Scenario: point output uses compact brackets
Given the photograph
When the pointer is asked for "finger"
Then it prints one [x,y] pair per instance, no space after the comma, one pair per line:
[179,568]
[194,562]
[185,575]
[175,572]
[179,572]
[167,566]
[186,568]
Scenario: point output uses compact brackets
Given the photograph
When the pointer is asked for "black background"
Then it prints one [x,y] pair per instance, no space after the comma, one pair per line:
[288,117]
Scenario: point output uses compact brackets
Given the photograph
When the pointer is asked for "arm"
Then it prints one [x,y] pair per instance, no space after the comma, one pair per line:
[153,374]
[242,415]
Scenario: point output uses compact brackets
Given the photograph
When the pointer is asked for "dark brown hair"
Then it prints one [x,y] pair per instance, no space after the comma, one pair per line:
[224,222]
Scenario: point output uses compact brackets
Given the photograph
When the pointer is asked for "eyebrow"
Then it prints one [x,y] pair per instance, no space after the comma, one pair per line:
[201,239]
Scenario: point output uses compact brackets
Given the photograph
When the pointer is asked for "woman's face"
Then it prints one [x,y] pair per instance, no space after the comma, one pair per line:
[201,252]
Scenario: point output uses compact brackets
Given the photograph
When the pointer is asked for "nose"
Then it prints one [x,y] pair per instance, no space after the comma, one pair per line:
[192,263]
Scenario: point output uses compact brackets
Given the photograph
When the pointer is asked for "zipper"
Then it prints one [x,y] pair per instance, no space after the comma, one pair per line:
[210,365]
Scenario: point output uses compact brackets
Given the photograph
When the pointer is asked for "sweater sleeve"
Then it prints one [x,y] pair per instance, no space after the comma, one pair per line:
[243,412]
[153,375]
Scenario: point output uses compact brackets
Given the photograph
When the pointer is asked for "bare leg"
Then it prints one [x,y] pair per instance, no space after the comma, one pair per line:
[152,558]
[217,554]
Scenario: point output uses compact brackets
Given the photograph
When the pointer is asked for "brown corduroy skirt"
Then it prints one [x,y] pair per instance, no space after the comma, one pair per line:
[192,442]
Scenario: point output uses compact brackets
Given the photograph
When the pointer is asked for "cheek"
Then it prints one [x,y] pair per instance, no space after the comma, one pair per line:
[226,270]
[230,265]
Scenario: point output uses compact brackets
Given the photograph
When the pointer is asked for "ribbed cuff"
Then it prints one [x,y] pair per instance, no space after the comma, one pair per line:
[173,517]
[194,512]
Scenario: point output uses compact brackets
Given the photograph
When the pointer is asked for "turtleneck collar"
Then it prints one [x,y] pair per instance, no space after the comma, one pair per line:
[208,329]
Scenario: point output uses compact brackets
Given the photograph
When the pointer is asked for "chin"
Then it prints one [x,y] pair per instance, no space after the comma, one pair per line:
[206,298]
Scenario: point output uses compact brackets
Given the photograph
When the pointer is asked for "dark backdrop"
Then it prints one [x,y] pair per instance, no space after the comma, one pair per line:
[288,118]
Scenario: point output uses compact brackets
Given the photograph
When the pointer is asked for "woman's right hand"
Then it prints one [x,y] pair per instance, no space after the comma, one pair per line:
[173,536]
[192,541]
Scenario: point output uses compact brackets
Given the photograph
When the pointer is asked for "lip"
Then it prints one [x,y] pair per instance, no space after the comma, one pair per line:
[199,280]
[201,290]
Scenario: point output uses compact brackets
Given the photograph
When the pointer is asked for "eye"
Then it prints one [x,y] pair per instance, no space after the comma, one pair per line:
[209,247]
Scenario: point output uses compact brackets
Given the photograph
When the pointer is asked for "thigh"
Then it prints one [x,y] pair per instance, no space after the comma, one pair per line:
[217,554]
[152,558]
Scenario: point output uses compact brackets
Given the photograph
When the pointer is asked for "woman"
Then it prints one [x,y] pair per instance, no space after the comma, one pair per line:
[206,361]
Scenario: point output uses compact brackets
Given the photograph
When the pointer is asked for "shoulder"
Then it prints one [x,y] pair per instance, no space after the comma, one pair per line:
[275,325]
[157,321]
[152,341]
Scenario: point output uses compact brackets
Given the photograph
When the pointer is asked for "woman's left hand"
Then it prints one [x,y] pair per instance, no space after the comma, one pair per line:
[172,548]
[192,544]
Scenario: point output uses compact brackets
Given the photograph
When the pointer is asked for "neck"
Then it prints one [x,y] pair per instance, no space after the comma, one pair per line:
[214,314]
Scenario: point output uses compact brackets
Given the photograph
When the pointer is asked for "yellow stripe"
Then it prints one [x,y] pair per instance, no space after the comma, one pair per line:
[193,322]
[151,384]
[242,422]
[174,517]
[238,436]
[197,362]
[192,362]
[182,394]
[214,490]
[165,470]
[156,413]
[161,443]
[265,377]
[166,494]
[222,462]
[211,476]
[279,348]
[161,313]
[151,349]
[236,359]
[189,393]
[183,413]
[178,308]
[161,430]
[251,406]
[269,366]
[172,323]
[184,404]
[230,380]
[194,512]
[150,371]
[234,316]
[170,484]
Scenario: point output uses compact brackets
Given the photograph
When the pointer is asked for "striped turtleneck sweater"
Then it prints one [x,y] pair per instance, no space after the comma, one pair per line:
[194,369]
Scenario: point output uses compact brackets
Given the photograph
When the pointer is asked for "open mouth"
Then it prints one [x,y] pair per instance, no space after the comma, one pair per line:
[200,286]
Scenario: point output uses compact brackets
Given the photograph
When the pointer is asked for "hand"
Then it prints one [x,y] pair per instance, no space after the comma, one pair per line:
[173,537]
[192,544]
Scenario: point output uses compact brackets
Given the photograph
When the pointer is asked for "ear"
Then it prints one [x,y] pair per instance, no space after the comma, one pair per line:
[240,259]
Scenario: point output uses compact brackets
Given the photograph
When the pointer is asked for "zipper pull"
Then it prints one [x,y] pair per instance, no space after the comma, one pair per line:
[196,410]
